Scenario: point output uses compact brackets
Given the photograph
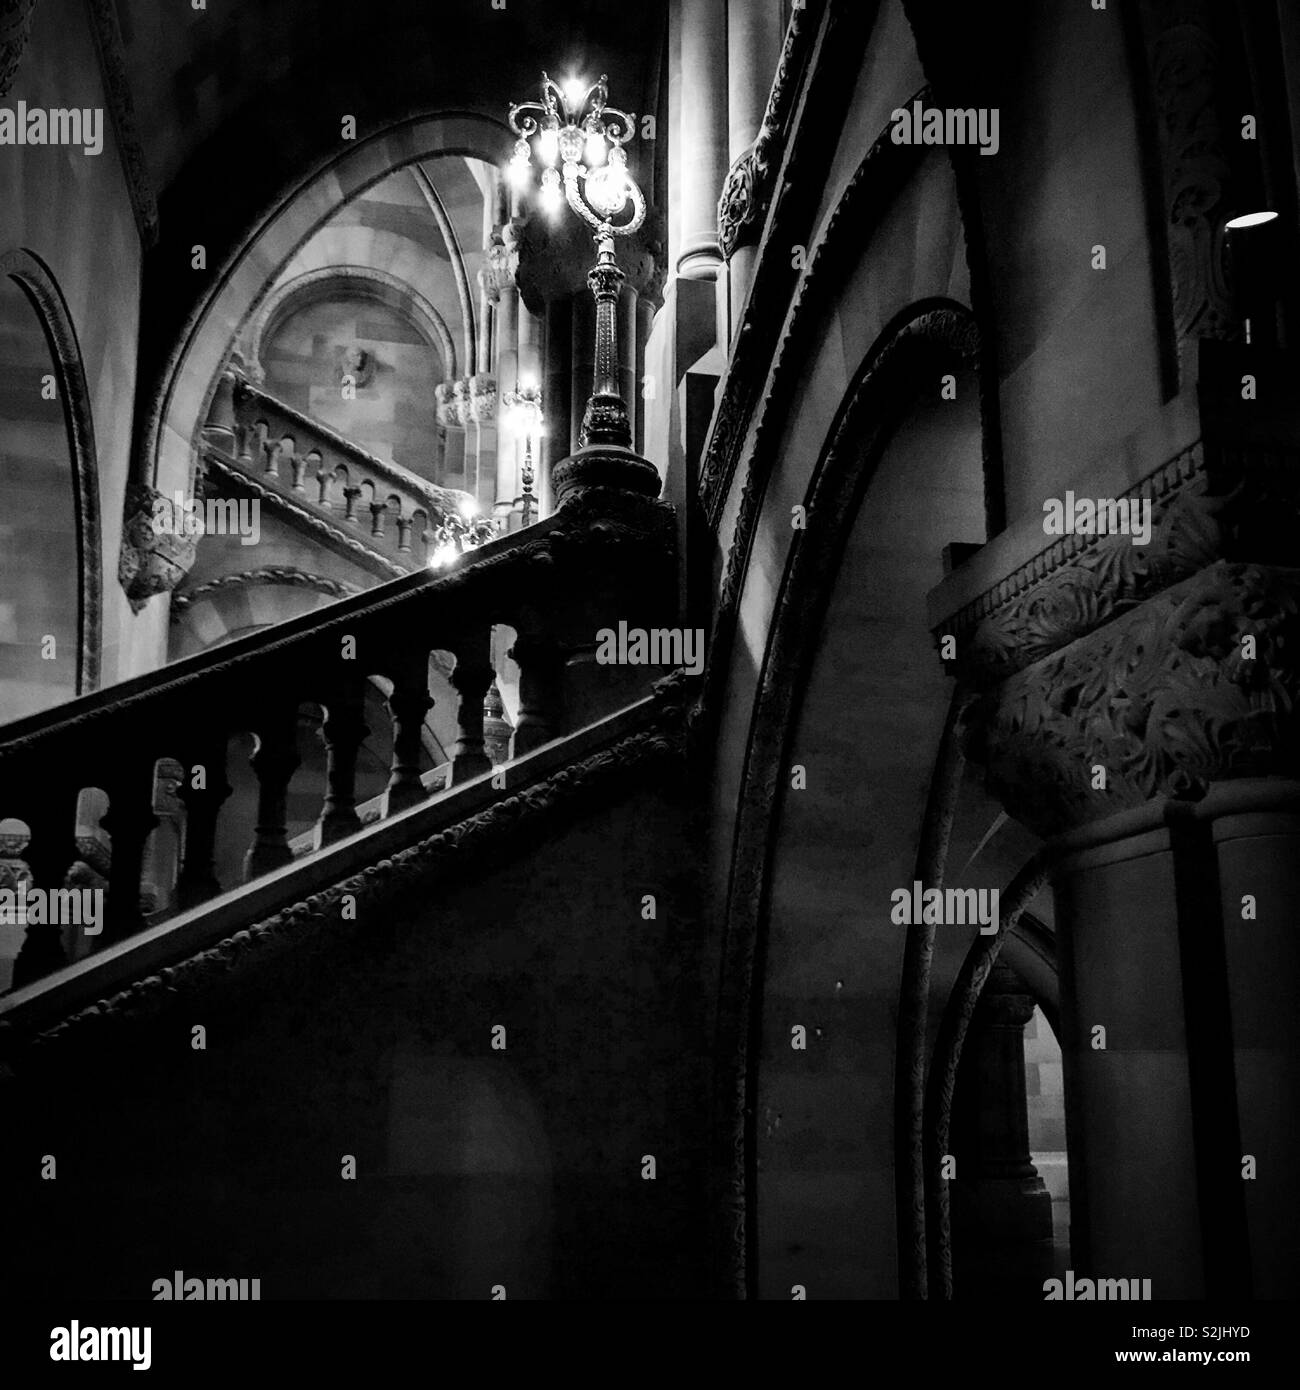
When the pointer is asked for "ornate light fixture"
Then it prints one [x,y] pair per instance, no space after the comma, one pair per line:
[574,125]
[524,412]
[458,532]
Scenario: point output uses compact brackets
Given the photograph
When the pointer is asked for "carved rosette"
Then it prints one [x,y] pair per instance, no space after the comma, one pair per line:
[741,206]
[1166,699]
[150,564]
[747,189]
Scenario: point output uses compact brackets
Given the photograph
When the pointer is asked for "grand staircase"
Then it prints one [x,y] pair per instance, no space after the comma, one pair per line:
[606,555]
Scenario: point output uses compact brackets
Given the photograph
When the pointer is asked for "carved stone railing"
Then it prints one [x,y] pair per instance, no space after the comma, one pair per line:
[256,443]
[603,557]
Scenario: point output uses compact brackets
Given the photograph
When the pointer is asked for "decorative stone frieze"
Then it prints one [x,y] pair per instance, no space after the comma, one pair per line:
[1198,684]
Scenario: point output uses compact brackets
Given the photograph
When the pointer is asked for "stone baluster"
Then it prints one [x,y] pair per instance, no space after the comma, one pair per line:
[300,464]
[129,821]
[274,762]
[408,705]
[203,791]
[540,666]
[271,450]
[49,853]
[472,678]
[404,524]
[350,495]
[378,510]
[344,732]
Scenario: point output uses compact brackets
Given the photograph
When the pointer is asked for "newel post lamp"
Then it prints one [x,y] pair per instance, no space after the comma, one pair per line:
[579,139]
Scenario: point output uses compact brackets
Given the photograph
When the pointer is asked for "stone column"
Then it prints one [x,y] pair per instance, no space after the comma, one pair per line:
[1255,827]
[1001,1209]
[700,129]
[1156,754]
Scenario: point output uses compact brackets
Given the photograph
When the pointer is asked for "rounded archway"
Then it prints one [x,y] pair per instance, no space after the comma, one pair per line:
[240,286]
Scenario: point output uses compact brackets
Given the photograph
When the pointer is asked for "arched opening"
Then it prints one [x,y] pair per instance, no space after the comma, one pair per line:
[50,579]
[852,701]
[243,283]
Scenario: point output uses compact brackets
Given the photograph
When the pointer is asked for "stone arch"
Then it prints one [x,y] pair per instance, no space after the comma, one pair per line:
[188,382]
[38,283]
[897,374]
[360,281]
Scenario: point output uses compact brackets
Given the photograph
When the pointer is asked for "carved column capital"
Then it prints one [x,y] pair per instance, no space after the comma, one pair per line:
[483,399]
[1164,701]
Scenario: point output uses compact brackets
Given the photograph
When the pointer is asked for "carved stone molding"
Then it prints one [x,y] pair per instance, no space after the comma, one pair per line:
[1208,502]
[1166,700]
[271,574]
[15,30]
[149,563]
[747,191]
[117,87]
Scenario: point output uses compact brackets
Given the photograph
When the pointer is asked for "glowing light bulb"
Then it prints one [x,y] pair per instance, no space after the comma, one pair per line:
[548,145]
[575,93]
[595,149]
[521,165]
[607,190]
[469,508]
[552,197]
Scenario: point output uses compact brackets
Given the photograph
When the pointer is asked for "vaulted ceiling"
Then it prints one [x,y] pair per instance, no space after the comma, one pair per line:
[238,103]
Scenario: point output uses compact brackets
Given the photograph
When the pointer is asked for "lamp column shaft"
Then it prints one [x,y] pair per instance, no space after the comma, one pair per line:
[606,418]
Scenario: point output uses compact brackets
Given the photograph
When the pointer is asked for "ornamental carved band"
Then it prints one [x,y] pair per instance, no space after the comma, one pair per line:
[1197,685]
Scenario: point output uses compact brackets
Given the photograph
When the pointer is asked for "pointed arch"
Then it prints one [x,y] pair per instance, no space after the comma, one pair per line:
[38,283]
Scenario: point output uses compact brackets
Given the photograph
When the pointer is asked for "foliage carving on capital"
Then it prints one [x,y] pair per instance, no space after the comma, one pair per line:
[1164,701]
